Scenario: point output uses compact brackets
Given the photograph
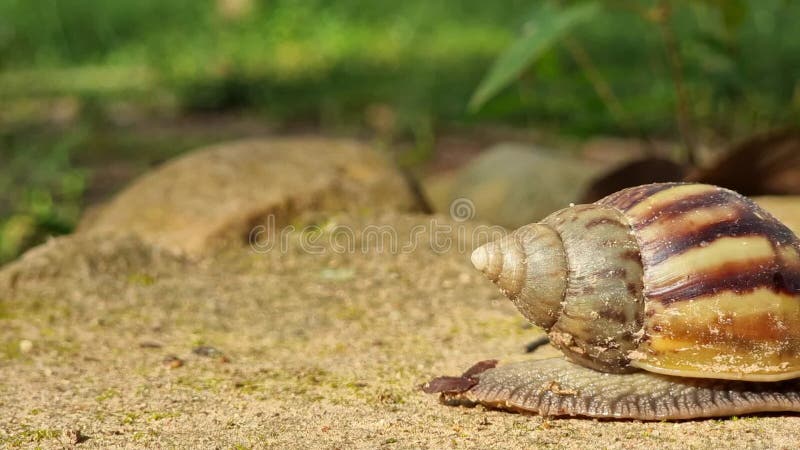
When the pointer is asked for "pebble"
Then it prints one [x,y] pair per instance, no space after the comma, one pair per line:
[172,362]
[25,346]
[207,351]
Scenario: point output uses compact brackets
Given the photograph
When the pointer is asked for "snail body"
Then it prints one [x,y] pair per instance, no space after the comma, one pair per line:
[663,294]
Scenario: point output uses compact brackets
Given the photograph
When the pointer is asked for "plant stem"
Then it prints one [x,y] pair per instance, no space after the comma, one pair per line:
[683,113]
[598,82]
[603,90]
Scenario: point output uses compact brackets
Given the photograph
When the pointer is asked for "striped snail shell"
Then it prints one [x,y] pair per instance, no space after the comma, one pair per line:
[689,285]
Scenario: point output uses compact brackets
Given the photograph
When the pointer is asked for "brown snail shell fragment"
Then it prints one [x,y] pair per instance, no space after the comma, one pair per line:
[689,281]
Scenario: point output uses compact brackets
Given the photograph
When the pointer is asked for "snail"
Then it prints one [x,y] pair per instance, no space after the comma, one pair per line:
[669,301]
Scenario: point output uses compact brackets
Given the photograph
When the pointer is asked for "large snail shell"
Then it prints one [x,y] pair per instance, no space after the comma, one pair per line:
[681,279]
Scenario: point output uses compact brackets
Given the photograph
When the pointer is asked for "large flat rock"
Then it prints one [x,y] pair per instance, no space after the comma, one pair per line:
[511,185]
[211,196]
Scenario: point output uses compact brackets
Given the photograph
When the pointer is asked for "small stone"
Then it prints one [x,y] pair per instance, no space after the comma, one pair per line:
[172,362]
[149,344]
[73,437]
[342,274]
[207,351]
[512,185]
[25,346]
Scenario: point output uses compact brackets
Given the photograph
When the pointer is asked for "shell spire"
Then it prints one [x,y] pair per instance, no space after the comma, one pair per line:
[529,266]
[578,275]
[489,260]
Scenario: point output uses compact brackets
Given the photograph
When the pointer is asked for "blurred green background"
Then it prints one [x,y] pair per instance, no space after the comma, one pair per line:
[94,92]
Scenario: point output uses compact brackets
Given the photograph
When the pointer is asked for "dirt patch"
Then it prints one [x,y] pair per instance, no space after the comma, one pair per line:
[320,349]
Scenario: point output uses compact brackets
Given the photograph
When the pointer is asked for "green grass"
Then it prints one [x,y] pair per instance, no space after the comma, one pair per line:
[29,436]
[41,189]
[325,61]
[328,63]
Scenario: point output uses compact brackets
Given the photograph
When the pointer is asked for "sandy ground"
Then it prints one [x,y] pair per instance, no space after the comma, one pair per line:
[136,348]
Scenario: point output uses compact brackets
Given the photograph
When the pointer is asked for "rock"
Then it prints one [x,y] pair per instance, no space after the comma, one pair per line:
[612,152]
[763,164]
[25,346]
[90,257]
[512,185]
[172,362]
[633,173]
[72,437]
[213,195]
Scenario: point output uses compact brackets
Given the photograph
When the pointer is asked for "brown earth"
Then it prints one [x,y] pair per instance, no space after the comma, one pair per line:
[313,345]
[315,350]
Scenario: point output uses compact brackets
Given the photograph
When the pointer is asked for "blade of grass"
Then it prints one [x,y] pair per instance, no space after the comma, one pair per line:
[545,27]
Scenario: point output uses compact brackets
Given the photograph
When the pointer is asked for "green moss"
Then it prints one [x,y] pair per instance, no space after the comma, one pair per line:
[248,386]
[523,426]
[351,313]
[28,436]
[5,311]
[159,415]
[312,375]
[391,397]
[337,275]
[355,385]
[63,347]
[9,350]
[141,279]
[201,384]
[107,394]
[129,418]
[139,436]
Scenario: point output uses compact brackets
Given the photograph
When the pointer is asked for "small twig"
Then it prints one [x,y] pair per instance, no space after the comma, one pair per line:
[683,112]
[531,346]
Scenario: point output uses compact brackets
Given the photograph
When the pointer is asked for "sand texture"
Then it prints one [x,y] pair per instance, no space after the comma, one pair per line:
[122,337]
[324,351]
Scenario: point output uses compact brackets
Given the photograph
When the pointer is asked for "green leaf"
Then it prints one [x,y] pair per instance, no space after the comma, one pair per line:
[545,27]
[733,12]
